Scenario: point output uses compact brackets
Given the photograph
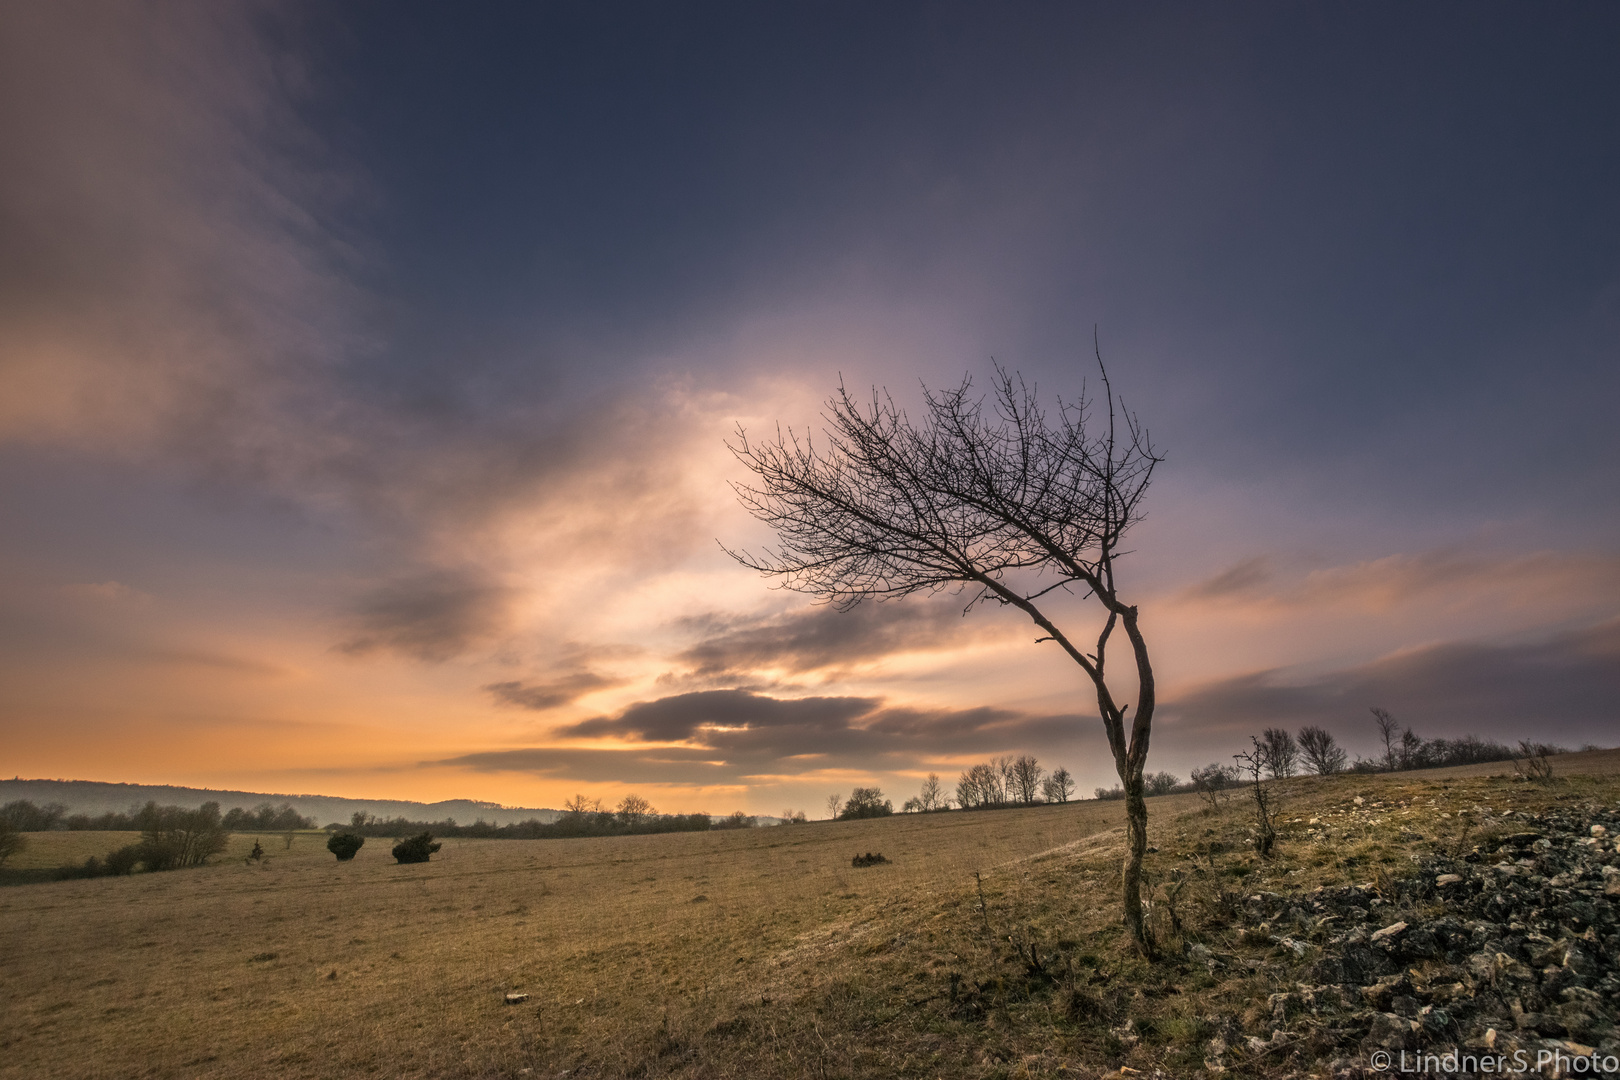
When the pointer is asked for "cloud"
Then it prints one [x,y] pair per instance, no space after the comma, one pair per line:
[549,695]
[1448,574]
[820,638]
[740,733]
[434,616]
[1566,686]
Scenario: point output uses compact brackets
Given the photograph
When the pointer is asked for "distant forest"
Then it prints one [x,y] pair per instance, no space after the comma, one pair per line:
[25,816]
[572,824]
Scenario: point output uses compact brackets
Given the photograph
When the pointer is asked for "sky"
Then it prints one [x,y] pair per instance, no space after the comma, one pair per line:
[366,372]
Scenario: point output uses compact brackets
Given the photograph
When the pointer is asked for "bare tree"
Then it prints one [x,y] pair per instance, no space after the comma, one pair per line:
[835,804]
[1321,752]
[1282,755]
[633,810]
[1266,803]
[1025,775]
[1058,787]
[980,786]
[932,796]
[1005,502]
[1411,749]
[1387,727]
[1213,783]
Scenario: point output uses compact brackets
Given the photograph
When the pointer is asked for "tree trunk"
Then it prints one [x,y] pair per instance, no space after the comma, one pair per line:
[1136,848]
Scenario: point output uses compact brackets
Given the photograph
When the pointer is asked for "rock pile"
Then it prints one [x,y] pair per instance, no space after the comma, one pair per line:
[1514,946]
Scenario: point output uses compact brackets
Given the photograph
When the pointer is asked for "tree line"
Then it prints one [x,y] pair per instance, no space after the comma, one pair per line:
[171,837]
[25,816]
[582,817]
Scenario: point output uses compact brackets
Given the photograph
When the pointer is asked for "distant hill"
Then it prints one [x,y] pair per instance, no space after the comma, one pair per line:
[95,797]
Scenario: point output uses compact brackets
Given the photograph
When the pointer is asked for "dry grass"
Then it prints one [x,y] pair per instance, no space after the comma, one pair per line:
[748,953]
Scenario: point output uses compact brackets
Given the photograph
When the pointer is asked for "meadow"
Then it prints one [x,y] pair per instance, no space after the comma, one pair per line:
[751,953]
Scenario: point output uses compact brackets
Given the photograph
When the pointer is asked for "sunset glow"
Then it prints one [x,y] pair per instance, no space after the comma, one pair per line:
[366,373]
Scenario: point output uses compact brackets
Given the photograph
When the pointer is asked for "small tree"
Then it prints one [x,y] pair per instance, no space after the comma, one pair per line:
[1256,764]
[1025,774]
[1058,787]
[980,786]
[932,795]
[1388,727]
[1213,783]
[1320,751]
[1411,750]
[345,845]
[418,848]
[633,810]
[1282,755]
[1009,504]
[835,803]
[866,802]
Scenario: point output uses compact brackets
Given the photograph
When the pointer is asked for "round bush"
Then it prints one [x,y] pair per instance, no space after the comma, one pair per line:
[416,849]
[344,845]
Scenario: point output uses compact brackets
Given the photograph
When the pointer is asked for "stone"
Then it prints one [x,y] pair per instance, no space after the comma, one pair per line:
[1388,932]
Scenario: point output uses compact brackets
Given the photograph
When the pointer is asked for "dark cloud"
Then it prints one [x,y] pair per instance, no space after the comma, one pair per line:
[433,616]
[709,716]
[552,693]
[758,733]
[821,637]
[1564,687]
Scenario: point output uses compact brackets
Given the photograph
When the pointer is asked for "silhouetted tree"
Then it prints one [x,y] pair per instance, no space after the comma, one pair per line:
[932,795]
[1387,728]
[835,803]
[1058,787]
[1010,504]
[1321,752]
[633,809]
[1282,755]
[1025,776]
[980,786]
[866,802]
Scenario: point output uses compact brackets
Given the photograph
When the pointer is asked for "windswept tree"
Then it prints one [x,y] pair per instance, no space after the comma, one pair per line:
[1321,752]
[1388,730]
[1281,752]
[1004,501]
[1058,787]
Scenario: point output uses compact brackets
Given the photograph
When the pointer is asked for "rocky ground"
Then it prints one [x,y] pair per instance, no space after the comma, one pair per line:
[1505,945]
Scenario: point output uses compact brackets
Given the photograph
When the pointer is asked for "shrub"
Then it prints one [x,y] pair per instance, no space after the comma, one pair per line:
[419,848]
[868,859]
[121,862]
[11,840]
[345,844]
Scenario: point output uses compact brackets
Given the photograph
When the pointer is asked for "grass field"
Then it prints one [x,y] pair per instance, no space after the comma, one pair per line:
[741,953]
